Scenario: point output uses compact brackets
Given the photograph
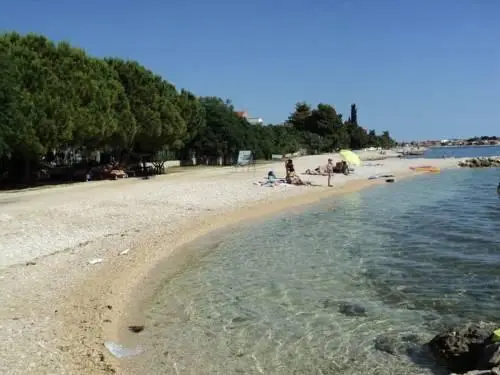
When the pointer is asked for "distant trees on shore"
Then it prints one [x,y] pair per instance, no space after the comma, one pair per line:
[55,97]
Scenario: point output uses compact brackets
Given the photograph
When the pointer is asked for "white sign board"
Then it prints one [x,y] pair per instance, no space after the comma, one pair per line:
[244,157]
[276,157]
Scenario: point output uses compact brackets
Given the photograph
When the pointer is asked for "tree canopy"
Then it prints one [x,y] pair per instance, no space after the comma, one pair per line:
[56,97]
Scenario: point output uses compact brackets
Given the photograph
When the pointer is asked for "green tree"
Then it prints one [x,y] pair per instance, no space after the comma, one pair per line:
[385,140]
[372,140]
[353,118]
[55,97]
[299,118]
[223,134]
[157,122]
[9,101]
[358,137]
[193,113]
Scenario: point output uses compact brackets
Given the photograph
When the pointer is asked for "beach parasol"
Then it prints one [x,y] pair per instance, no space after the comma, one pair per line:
[350,157]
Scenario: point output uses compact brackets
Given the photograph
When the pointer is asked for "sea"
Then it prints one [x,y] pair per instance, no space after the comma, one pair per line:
[461,152]
[356,284]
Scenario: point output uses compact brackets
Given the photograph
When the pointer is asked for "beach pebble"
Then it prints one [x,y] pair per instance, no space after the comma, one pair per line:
[136,329]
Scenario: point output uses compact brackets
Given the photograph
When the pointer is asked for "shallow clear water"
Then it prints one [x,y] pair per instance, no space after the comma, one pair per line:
[334,288]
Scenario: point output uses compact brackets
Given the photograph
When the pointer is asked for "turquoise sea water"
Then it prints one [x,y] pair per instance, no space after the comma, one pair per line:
[354,285]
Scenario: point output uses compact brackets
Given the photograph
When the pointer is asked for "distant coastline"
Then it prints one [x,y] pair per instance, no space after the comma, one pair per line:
[461,146]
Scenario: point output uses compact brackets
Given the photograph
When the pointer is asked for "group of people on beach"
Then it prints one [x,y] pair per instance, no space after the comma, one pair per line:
[329,170]
[292,178]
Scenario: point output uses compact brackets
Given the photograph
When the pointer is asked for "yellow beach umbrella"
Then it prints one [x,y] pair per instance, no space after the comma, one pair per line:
[350,157]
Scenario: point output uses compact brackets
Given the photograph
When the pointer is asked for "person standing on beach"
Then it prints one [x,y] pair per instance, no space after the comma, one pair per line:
[329,170]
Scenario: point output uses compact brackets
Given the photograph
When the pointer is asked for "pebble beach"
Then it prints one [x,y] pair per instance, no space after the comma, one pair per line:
[73,257]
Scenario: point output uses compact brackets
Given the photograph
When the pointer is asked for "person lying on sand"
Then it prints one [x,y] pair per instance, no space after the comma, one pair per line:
[271,180]
[271,175]
[316,172]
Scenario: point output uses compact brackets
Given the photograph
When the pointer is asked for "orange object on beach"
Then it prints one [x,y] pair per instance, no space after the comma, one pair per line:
[426,168]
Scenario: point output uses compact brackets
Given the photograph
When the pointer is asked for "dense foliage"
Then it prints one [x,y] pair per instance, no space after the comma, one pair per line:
[55,97]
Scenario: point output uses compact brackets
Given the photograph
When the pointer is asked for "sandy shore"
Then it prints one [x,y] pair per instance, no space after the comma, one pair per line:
[56,309]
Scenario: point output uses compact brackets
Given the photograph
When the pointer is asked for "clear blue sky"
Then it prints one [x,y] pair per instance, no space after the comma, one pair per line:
[422,69]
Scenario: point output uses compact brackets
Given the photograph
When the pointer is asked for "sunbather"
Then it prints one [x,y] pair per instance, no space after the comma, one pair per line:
[291,176]
[318,171]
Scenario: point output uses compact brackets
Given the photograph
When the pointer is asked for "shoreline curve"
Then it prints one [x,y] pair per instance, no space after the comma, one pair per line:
[128,306]
[59,308]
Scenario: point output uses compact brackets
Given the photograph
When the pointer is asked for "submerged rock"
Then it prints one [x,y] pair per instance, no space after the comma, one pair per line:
[352,309]
[462,349]
[386,344]
[408,344]
[346,308]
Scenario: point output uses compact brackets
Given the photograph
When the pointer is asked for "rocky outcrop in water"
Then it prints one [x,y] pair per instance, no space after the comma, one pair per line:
[468,350]
[481,163]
